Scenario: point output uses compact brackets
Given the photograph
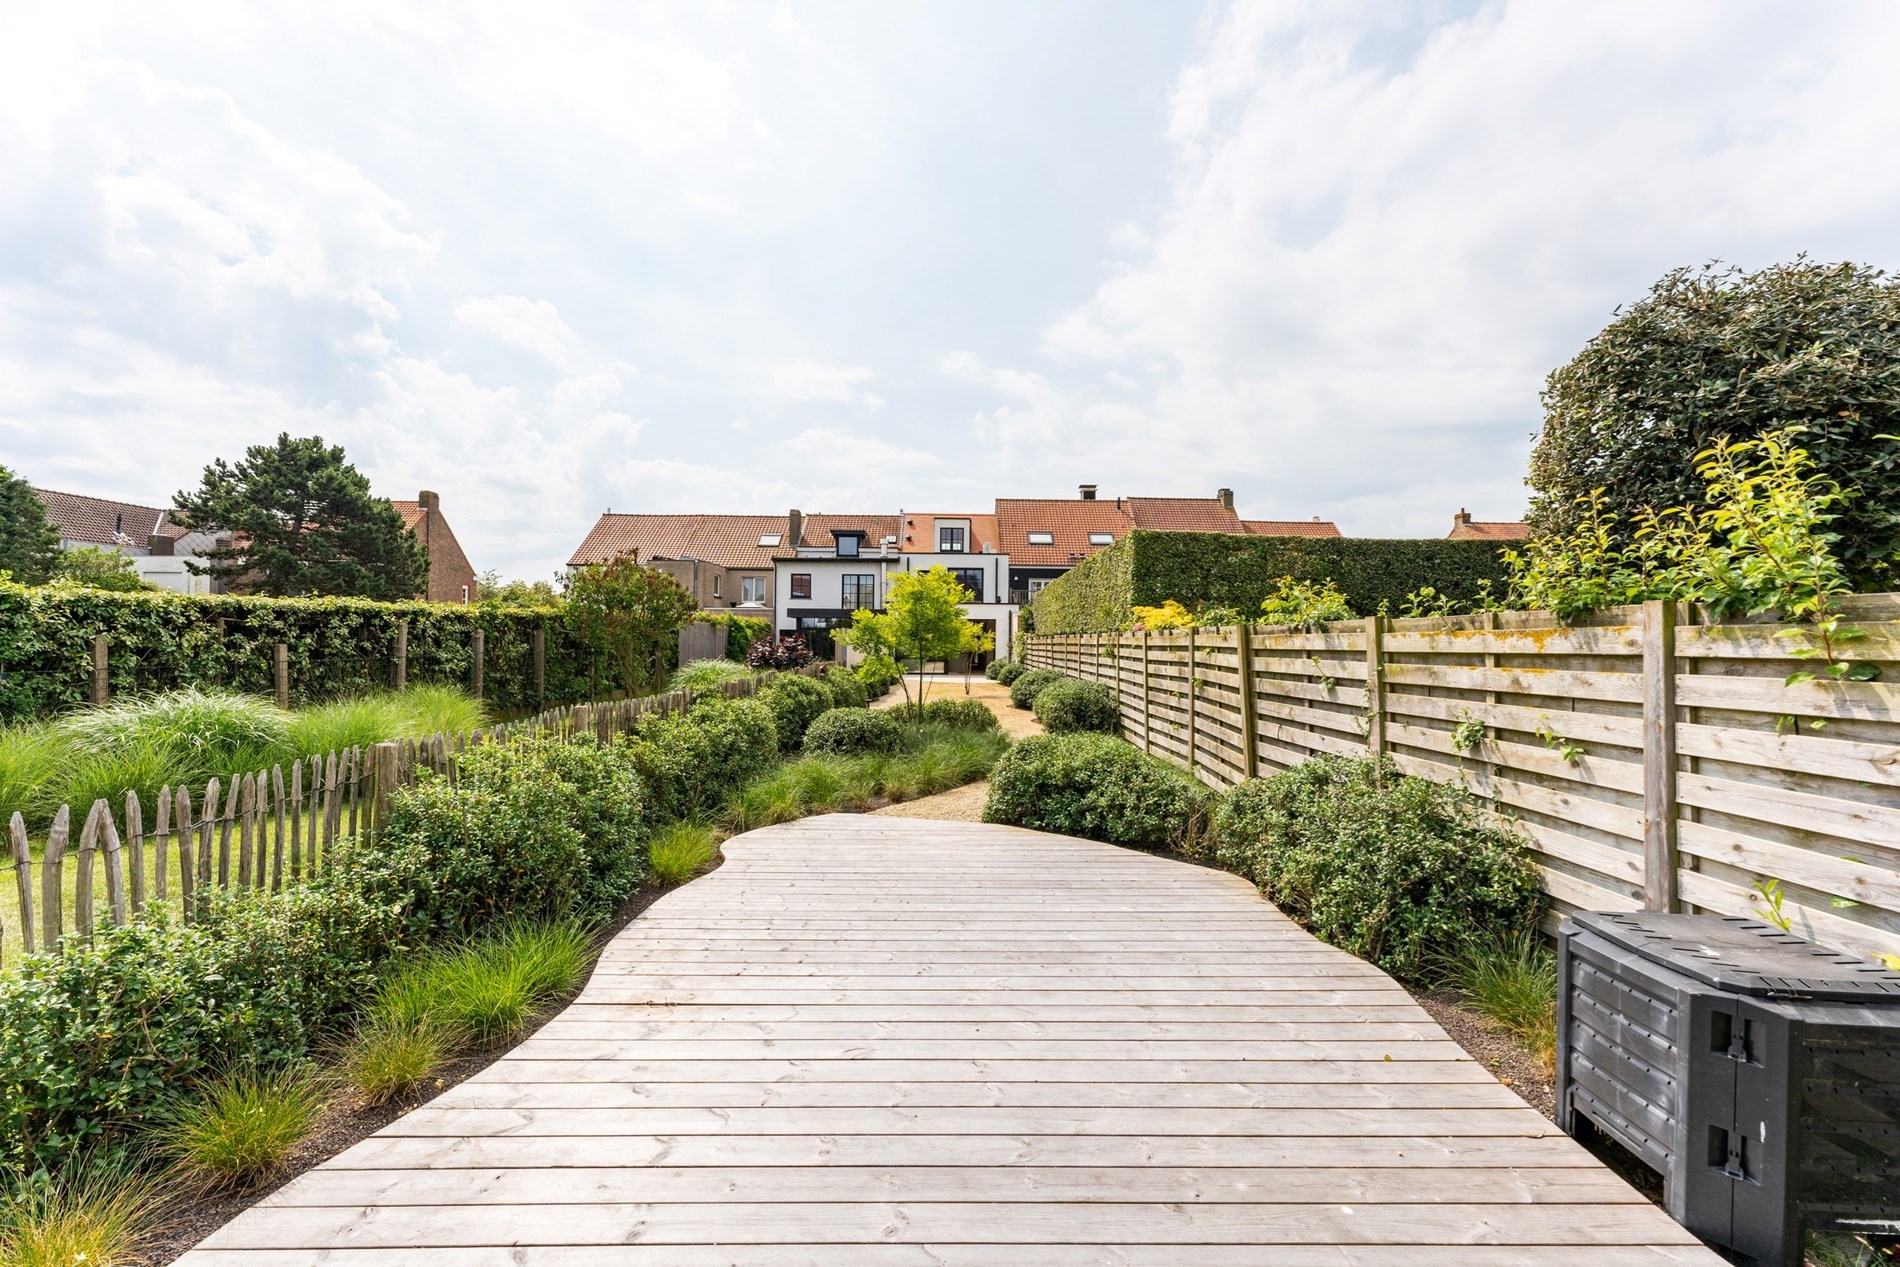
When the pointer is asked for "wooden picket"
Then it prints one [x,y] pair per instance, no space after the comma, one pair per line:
[257,829]
[1654,757]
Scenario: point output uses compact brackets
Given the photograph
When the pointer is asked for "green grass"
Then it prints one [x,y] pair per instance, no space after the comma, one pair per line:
[1839,1249]
[1513,981]
[680,851]
[934,759]
[385,1061]
[704,675]
[484,992]
[89,1213]
[240,1129]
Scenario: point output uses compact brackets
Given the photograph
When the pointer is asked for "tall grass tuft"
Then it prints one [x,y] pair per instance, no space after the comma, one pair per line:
[704,675]
[239,1129]
[31,758]
[1512,980]
[486,990]
[385,1061]
[90,1212]
[935,758]
[359,720]
[679,851]
[216,731]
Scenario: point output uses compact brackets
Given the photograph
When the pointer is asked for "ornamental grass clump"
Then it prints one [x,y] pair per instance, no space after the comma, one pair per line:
[385,1062]
[1396,869]
[679,851]
[485,991]
[1512,980]
[239,1129]
[87,1212]
[706,675]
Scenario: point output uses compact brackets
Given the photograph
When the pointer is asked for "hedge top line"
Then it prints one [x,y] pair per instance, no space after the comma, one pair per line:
[73,595]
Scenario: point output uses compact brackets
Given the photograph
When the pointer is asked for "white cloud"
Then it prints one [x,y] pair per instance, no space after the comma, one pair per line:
[533,324]
[817,380]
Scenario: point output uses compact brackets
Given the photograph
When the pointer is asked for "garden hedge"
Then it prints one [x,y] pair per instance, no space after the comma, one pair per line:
[1217,569]
[157,641]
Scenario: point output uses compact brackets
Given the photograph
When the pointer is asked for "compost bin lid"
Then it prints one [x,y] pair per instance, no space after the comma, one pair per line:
[1746,956]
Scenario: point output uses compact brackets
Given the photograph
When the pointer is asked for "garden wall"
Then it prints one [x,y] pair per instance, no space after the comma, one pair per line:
[1654,758]
[1206,569]
[333,646]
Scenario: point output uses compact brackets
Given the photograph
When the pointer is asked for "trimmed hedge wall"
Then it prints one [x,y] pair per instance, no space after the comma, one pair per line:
[157,641]
[1221,569]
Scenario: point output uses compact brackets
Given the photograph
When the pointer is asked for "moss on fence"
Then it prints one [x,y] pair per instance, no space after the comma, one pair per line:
[1220,569]
[157,641]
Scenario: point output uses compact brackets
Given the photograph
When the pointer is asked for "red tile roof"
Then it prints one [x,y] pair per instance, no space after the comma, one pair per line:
[919,537]
[101,521]
[727,540]
[1465,528]
[1291,528]
[1183,514]
[1069,520]
[818,529]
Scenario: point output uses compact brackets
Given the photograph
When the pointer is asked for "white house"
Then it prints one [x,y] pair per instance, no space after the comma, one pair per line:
[835,564]
[157,547]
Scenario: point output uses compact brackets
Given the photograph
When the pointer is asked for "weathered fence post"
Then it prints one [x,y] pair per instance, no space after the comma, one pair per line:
[1147,710]
[23,877]
[1193,699]
[539,642]
[1659,756]
[1375,685]
[1249,725]
[280,672]
[385,772]
[101,682]
[476,641]
[402,654]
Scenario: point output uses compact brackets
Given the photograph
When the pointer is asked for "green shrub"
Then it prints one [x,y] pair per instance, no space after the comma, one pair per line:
[680,851]
[994,667]
[94,1039]
[608,808]
[1008,671]
[852,731]
[241,1127]
[1023,691]
[1096,787]
[1073,705]
[879,674]
[960,714]
[795,701]
[847,691]
[1393,868]
[705,675]
[690,765]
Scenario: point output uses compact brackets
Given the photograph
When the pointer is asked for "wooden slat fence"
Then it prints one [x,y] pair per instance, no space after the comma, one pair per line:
[253,829]
[1655,759]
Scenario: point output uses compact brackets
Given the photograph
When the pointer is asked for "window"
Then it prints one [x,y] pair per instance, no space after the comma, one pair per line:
[970,579]
[716,593]
[1035,585]
[1101,538]
[1042,538]
[771,538]
[860,590]
[752,589]
[848,543]
[950,540]
[801,585]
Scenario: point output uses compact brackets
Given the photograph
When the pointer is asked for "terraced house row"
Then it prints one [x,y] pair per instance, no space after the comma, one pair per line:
[811,571]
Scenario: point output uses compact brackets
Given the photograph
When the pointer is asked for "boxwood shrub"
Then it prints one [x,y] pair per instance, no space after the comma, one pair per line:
[847,689]
[994,667]
[1023,691]
[1072,705]
[795,701]
[1097,787]
[689,765]
[1390,867]
[1008,671]
[962,714]
[852,732]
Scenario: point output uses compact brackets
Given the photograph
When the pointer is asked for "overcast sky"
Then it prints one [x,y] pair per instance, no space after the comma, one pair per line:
[551,260]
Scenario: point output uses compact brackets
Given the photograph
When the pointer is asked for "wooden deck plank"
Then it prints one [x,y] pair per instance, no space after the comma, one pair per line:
[887,1041]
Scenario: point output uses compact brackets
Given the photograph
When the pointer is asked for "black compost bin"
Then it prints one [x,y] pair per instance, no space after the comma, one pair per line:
[1758,1072]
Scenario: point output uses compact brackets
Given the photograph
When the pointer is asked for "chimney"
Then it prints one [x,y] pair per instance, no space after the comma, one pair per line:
[1088,492]
[159,545]
[1226,496]
[1462,519]
[795,529]
[428,500]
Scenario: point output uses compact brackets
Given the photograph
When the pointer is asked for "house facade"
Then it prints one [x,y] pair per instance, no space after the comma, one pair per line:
[451,575]
[726,561]
[158,548]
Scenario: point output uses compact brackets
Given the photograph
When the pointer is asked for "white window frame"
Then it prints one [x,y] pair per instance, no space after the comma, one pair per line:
[1042,538]
[752,589]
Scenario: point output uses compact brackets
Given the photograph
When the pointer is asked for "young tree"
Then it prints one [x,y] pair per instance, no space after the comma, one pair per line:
[1718,352]
[490,588]
[630,614]
[302,521]
[100,569]
[29,544]
[922,620]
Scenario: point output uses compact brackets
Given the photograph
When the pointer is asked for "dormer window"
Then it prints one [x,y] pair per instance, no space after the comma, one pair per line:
[1042,538]
[850,544]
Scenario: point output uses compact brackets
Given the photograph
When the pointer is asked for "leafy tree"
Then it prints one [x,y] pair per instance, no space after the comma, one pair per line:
[29,544]
[302,521]
[101,570]
[922,620]
[490,588]
[1717,352]
[630,614]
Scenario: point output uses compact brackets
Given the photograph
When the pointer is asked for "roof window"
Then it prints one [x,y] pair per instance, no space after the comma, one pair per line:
[1042,538]
[1101,538]
[771,538]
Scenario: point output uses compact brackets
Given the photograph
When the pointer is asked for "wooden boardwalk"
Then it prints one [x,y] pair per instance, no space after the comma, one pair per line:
[891,1041]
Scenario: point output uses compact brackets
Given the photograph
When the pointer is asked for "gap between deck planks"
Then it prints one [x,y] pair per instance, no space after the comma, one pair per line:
[893,1041]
